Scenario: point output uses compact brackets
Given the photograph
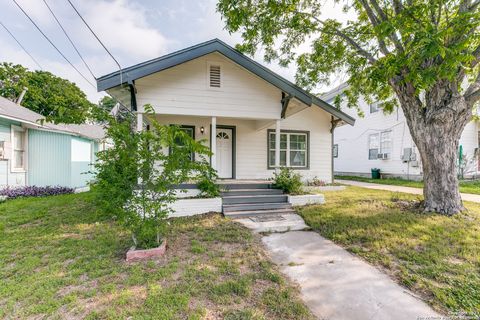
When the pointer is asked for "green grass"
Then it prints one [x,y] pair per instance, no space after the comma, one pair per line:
[466,186]
[61,258]
[436,256]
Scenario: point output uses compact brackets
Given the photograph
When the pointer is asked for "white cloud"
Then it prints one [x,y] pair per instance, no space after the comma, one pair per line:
[123,28]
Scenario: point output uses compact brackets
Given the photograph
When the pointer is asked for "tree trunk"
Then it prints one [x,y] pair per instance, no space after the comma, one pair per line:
[439,159]
[436,125]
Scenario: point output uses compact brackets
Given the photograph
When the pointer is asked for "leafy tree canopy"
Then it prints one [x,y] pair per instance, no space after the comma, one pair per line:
[59,100]
[415,42]
[421,55]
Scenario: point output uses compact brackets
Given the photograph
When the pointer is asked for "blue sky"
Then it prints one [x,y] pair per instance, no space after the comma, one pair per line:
[134,31]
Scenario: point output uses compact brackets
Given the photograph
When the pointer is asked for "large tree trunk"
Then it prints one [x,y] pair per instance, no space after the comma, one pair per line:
[439,151]
[436,125]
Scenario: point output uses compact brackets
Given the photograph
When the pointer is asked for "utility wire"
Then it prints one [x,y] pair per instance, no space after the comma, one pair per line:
[21,46]
[98,39]
[50,41]
[69,39]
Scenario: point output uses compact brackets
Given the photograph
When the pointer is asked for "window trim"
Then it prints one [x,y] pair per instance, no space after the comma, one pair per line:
[185,126]
[218,64]
[377,107]
[379,134]
[25,149]
[391,142]
[307,133]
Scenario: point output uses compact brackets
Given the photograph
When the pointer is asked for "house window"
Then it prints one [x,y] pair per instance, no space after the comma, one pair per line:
[335,150]
[375,107]
[373,146]
[18,149]
[214,76]
[190,131]
[386,142]
[293,149]
[380,143]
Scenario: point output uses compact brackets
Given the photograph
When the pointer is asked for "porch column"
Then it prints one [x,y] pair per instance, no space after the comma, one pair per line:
[213,143]
[139,121]
[277,146]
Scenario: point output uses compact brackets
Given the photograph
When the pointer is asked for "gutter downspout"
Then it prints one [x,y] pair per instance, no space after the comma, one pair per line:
[334,122]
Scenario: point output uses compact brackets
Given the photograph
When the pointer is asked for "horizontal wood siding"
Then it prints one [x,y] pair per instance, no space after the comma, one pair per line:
[251,148]
[184,90]
[7,177]
[353,143]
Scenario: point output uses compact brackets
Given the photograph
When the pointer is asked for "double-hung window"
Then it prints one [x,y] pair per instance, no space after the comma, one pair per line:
[379,143]
[386,143]
[190,131]
[373,146]
[293,149]
[18,149]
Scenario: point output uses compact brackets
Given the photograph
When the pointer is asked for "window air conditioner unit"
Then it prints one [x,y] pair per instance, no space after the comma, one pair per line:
[383,156]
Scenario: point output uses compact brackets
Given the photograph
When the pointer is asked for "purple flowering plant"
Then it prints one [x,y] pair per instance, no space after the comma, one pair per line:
[34,191]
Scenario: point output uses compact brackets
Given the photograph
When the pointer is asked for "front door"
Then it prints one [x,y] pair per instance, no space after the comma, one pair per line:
[224,153]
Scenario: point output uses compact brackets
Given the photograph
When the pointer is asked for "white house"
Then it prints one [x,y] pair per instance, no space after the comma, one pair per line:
[253,119]
[383,141]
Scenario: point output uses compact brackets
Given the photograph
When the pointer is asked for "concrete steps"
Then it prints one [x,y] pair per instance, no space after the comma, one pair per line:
[247,200]
[254,213]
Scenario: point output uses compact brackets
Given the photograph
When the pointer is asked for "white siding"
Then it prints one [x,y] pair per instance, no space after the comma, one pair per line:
[251,142]
[353,143]
[184,90]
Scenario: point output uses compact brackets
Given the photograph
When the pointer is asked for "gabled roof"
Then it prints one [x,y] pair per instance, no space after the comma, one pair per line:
[128,75]
[12,111]
[327,96]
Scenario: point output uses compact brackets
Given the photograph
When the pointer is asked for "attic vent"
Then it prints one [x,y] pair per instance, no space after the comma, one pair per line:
[215,74]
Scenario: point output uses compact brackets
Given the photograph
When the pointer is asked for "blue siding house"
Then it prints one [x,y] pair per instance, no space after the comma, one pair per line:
[45,154]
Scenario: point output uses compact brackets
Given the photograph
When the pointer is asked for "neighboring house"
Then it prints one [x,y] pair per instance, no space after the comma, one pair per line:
[237,106]
[383,141]
[45,154]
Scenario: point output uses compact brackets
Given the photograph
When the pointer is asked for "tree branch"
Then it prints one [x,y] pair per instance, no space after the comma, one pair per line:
[472,94]
[344,36]
[374,20]
[392,36]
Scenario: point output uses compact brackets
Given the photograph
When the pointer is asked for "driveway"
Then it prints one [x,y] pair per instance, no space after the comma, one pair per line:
[337,285]
[465,196]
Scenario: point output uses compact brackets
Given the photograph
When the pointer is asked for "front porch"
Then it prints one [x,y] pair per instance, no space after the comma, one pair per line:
[247,150]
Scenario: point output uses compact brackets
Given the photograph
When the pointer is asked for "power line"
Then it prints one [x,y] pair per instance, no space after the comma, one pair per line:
[98,39]
[50,41]
[21,46]
[69,39]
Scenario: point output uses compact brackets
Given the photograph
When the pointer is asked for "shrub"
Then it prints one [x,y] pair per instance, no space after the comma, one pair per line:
[288,180]
[208,187]
[135,177]
[34,191]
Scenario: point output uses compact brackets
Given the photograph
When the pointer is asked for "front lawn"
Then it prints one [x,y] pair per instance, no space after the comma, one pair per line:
[61,258]
[466,186]
[435,256]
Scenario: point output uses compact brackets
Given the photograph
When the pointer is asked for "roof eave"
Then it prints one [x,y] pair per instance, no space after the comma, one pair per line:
[333,111]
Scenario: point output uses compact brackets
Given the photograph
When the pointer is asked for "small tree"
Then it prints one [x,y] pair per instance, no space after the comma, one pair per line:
[136,177]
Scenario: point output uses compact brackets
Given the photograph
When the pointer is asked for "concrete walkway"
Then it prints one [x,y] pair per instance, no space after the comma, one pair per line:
[465,196]
[337,285]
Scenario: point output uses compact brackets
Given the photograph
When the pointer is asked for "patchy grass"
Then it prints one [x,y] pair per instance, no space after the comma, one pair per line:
[436,256]
[466,186]
[61,258]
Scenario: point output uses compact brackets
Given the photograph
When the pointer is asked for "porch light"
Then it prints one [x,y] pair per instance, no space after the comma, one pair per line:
[202,130]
